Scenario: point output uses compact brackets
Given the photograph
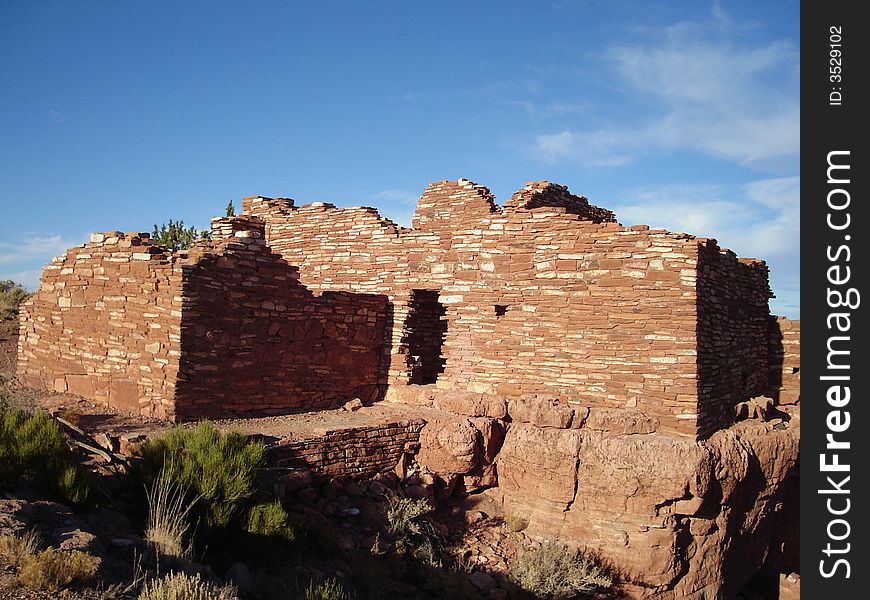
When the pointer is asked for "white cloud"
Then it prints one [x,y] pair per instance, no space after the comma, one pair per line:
[700,88]
[761,220]
[28,279]
[598,148]
[400,196]
[33,247]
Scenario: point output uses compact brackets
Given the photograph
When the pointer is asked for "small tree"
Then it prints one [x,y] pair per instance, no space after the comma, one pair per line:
[231,210]
[11,295]
[175,237]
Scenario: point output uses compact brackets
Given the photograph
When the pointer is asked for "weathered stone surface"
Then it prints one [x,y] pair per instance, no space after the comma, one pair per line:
[538,467]
[471,404]
[682,519]
[450,447]
[542,411]
[620,421]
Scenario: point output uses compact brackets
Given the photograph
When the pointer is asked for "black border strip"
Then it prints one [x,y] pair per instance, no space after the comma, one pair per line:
[833,268]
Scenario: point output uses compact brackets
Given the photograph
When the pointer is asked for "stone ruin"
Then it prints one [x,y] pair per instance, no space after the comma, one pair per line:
[597,369]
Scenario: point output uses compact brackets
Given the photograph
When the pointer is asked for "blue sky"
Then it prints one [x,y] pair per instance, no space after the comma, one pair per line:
[122,114]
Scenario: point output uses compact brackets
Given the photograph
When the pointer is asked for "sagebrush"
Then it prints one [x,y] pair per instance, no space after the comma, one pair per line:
[410,532]
[15,548]
[555,571]
[179,586]
[218,468]
[168,513]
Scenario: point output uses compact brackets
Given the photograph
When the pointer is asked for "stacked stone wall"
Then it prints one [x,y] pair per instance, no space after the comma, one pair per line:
[547,295]
[733,334]
[256,341]
[225,329]
[784,346]
[353,452]
[105,324]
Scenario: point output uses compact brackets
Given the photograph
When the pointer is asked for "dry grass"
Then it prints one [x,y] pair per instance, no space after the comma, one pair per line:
[178,586]
[325,590]
[168,510]
[554,571]
[15,548]
[53,570]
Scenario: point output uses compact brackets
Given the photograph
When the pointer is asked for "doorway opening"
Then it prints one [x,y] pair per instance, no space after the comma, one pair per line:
[425,330]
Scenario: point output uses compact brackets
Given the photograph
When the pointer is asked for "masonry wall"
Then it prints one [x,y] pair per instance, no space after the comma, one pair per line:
[353,452]
[225,329]
[595,313]
[784,344]
[255,341]
[105,324]
[733,333]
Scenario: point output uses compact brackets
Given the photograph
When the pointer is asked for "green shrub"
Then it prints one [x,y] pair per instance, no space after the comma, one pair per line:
[325,590]
[409,532]
[34,444]
[554,571]
[218,468]
[54,569]
[269,518]
[11,296]
[175,236]
[178,586]
[404,516]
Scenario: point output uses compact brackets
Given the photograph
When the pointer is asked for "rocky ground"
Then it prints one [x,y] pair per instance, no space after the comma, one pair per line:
[341,520]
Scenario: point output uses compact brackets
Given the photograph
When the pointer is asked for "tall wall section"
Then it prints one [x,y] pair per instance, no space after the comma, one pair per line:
[733,333]
[106,324]
[546,295]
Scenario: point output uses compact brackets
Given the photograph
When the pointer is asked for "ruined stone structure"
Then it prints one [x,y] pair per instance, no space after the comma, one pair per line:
[546,295]
[588,374]
[225,329]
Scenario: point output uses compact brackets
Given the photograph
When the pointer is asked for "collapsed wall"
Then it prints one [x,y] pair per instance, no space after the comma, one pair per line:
[225,329]
[546,295]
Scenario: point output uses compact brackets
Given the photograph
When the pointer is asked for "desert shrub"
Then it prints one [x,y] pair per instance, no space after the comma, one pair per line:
[404,516]
[34,444]
[168,509]
[329,589]
[515,523]
[53,569]
[269,518]
[409,532]
[15,548]
[179,586]
[218,468]
[552,571]
[11,296]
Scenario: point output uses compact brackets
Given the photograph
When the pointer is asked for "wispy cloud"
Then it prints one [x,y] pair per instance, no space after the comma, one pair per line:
[697,87]
[32,247]
[399,196]
[761,219]
[397,205]
[22,260]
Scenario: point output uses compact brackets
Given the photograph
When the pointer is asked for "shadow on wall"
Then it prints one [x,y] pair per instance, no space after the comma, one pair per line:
[256,342]
[733,334]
